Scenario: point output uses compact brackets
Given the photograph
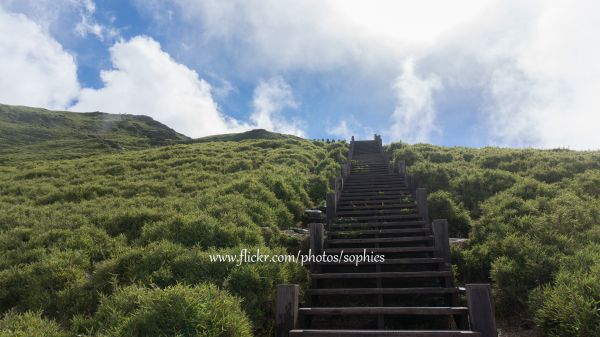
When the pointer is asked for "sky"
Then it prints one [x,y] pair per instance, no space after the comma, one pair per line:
[457,73]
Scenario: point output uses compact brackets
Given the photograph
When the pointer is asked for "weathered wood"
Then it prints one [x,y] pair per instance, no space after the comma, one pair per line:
[421,197]
[441,240]
[481,309]
[382,333]
[381,240]
[286,312]
[401,168]
[409,260]
[411,183]
[379,250]
[316,237]
[331,205]
[385,311]
[389,274]
[372,291]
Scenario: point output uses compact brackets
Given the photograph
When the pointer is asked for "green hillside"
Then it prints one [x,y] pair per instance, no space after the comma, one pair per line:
[33,133]
[533,220]
[83,239]
[252,134]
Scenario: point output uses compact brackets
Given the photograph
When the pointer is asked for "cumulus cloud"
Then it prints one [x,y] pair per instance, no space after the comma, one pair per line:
[528,68]
[271,97]
[348,127]
[413,119]
[146,80]
[35,69]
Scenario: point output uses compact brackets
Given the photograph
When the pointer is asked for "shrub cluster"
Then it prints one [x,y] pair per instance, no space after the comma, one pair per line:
[103,245]
[533,220]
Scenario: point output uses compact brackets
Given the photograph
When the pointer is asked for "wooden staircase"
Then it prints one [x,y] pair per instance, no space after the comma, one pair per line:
[377,210]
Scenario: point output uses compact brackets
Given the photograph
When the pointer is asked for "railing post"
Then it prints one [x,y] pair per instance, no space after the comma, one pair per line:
[286,312]
[412,184]
[481,309]
[421,196]
[339,186]
[317,238]
[331,207]
[401,167]
[441,241]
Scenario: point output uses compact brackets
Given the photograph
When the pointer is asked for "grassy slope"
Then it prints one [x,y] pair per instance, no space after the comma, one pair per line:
[33,133]
[533,219]
[74,229]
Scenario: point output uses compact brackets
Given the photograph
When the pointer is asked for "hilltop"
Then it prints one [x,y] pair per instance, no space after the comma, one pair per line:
[35,133]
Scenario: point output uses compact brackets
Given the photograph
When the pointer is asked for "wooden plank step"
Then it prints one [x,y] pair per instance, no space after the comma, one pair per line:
[381,240]
[382,217]
[428,311]
[384,274]
[377,224]
[412,260]
[379,250]
[373,212]
[375,206]
[382,333]
[383,291]
[374,196]
[377,231]
[375,203]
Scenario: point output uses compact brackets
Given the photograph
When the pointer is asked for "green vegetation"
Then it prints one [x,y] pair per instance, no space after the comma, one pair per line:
[533,219]
[118,244]
[33,133]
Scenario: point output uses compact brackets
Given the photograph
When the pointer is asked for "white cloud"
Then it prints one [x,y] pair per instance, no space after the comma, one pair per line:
[348,127]
[271,97]
[413,119]
[529,68]
[64,17]
[35,69]
[146,80]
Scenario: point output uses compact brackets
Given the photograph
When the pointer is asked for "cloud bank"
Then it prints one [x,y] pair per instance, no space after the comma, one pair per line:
[34,68]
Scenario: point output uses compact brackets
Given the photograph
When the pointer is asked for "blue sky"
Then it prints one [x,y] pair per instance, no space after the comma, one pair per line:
[470,73]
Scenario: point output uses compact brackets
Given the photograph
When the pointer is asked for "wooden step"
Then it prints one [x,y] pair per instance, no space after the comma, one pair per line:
[346,208]
[341,213]
[383,274]
[383,291]
[428,311]
[382,333]
[376,232]
[381,217]
[341,207]
[379,250]
[349,224]
[412,260]
[381,240]
[375,198]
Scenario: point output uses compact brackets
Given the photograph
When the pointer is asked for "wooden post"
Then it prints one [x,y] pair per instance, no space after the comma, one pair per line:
[401,167]
[441,241]
[286,312]
[338,185]
[412,184]
[330,207]
[481,309]
[421,196]
[317,237]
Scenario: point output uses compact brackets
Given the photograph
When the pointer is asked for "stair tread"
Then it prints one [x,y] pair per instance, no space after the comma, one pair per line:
[382,240]
[384,274]
[411,260]
[383,310]
[379,250]
[383,333]
[371,291]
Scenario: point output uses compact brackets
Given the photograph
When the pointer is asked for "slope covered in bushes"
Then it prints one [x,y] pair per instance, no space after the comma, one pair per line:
[533,219]
[33,133]
[100,245]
